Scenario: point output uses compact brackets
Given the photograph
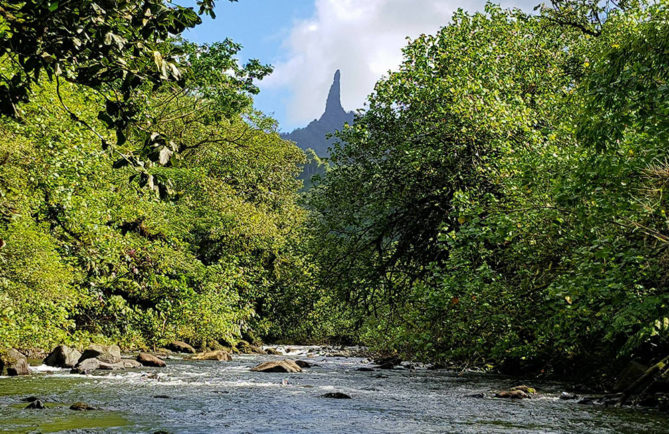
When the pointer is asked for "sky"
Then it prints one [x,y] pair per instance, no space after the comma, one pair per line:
[308,40]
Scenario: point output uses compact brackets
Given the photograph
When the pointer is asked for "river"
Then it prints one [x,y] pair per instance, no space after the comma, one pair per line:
[210,397]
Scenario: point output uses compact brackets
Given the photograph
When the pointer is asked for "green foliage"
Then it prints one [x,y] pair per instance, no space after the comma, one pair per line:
[106,258]
[503,200]
[124,50]
[313,170]
[87,42]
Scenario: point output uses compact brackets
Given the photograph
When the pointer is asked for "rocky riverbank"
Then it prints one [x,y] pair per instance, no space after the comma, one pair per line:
[637,385]
[296,389]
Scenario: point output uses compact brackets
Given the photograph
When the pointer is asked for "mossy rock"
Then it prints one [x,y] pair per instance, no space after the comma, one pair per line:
[13,363]
[246,348]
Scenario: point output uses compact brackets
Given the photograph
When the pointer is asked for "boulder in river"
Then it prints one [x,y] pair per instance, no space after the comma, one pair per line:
[245,348]
[111,366]
[566,396]
[147,359]
[181,347]
[63,357]
[104,353]
[336,395]
[512,394]
[606,399]
[340,353]
[131,364]
[304,364]
[35,405]
[279,366]
[527,389]
[273,352]
[388,362]
[86,366]
[219,355]
[81,406]
[13,363]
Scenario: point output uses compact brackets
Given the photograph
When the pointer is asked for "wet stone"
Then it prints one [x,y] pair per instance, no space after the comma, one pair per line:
[36,405]
[150,360]
[336,395]
[63,357]
[181,347]
[512,394]
[81,406]
[30,399]
[288,366]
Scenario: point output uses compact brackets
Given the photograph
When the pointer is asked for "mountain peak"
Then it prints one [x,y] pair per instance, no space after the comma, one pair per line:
[315,134]
[334,97]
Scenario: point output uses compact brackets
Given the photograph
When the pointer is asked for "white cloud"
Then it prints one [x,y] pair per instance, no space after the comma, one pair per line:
[363,38]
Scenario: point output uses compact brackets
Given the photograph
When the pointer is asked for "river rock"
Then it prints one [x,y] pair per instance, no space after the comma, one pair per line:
[341,353]
[523,388]
[388,362]
[104,353]
[304,364]
[13,363]
[279,366]
[63,357]
[35,405]
[219,355]
[246,348]
[365,369]
[336,395]
[512,394]
[86,366]
[273,352]
[181,347]
[111,366]
[81,406]
[131,364]
[147,359]
[606,399]
[436,366]
[566,396]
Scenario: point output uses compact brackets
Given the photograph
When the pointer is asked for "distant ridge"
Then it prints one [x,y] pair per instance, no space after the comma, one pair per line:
[314,135]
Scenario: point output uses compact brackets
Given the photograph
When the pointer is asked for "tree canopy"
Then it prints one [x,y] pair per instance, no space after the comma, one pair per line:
[503,199]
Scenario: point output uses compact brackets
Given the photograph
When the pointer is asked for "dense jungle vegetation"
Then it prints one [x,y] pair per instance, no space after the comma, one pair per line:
[502,201]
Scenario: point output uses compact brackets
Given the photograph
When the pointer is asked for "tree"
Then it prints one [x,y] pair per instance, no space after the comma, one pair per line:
[439,135]
[503,200]
[122,50]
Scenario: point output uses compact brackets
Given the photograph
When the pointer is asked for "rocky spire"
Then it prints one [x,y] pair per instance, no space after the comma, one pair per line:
[315,135]
[333,105]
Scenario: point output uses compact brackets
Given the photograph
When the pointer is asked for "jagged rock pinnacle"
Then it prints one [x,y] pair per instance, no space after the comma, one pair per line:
[315,134]
[333,104]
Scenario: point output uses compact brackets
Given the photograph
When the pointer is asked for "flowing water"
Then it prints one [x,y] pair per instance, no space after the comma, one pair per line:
[206,397]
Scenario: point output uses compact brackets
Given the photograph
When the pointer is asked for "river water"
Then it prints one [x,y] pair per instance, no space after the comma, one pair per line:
[210,397]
